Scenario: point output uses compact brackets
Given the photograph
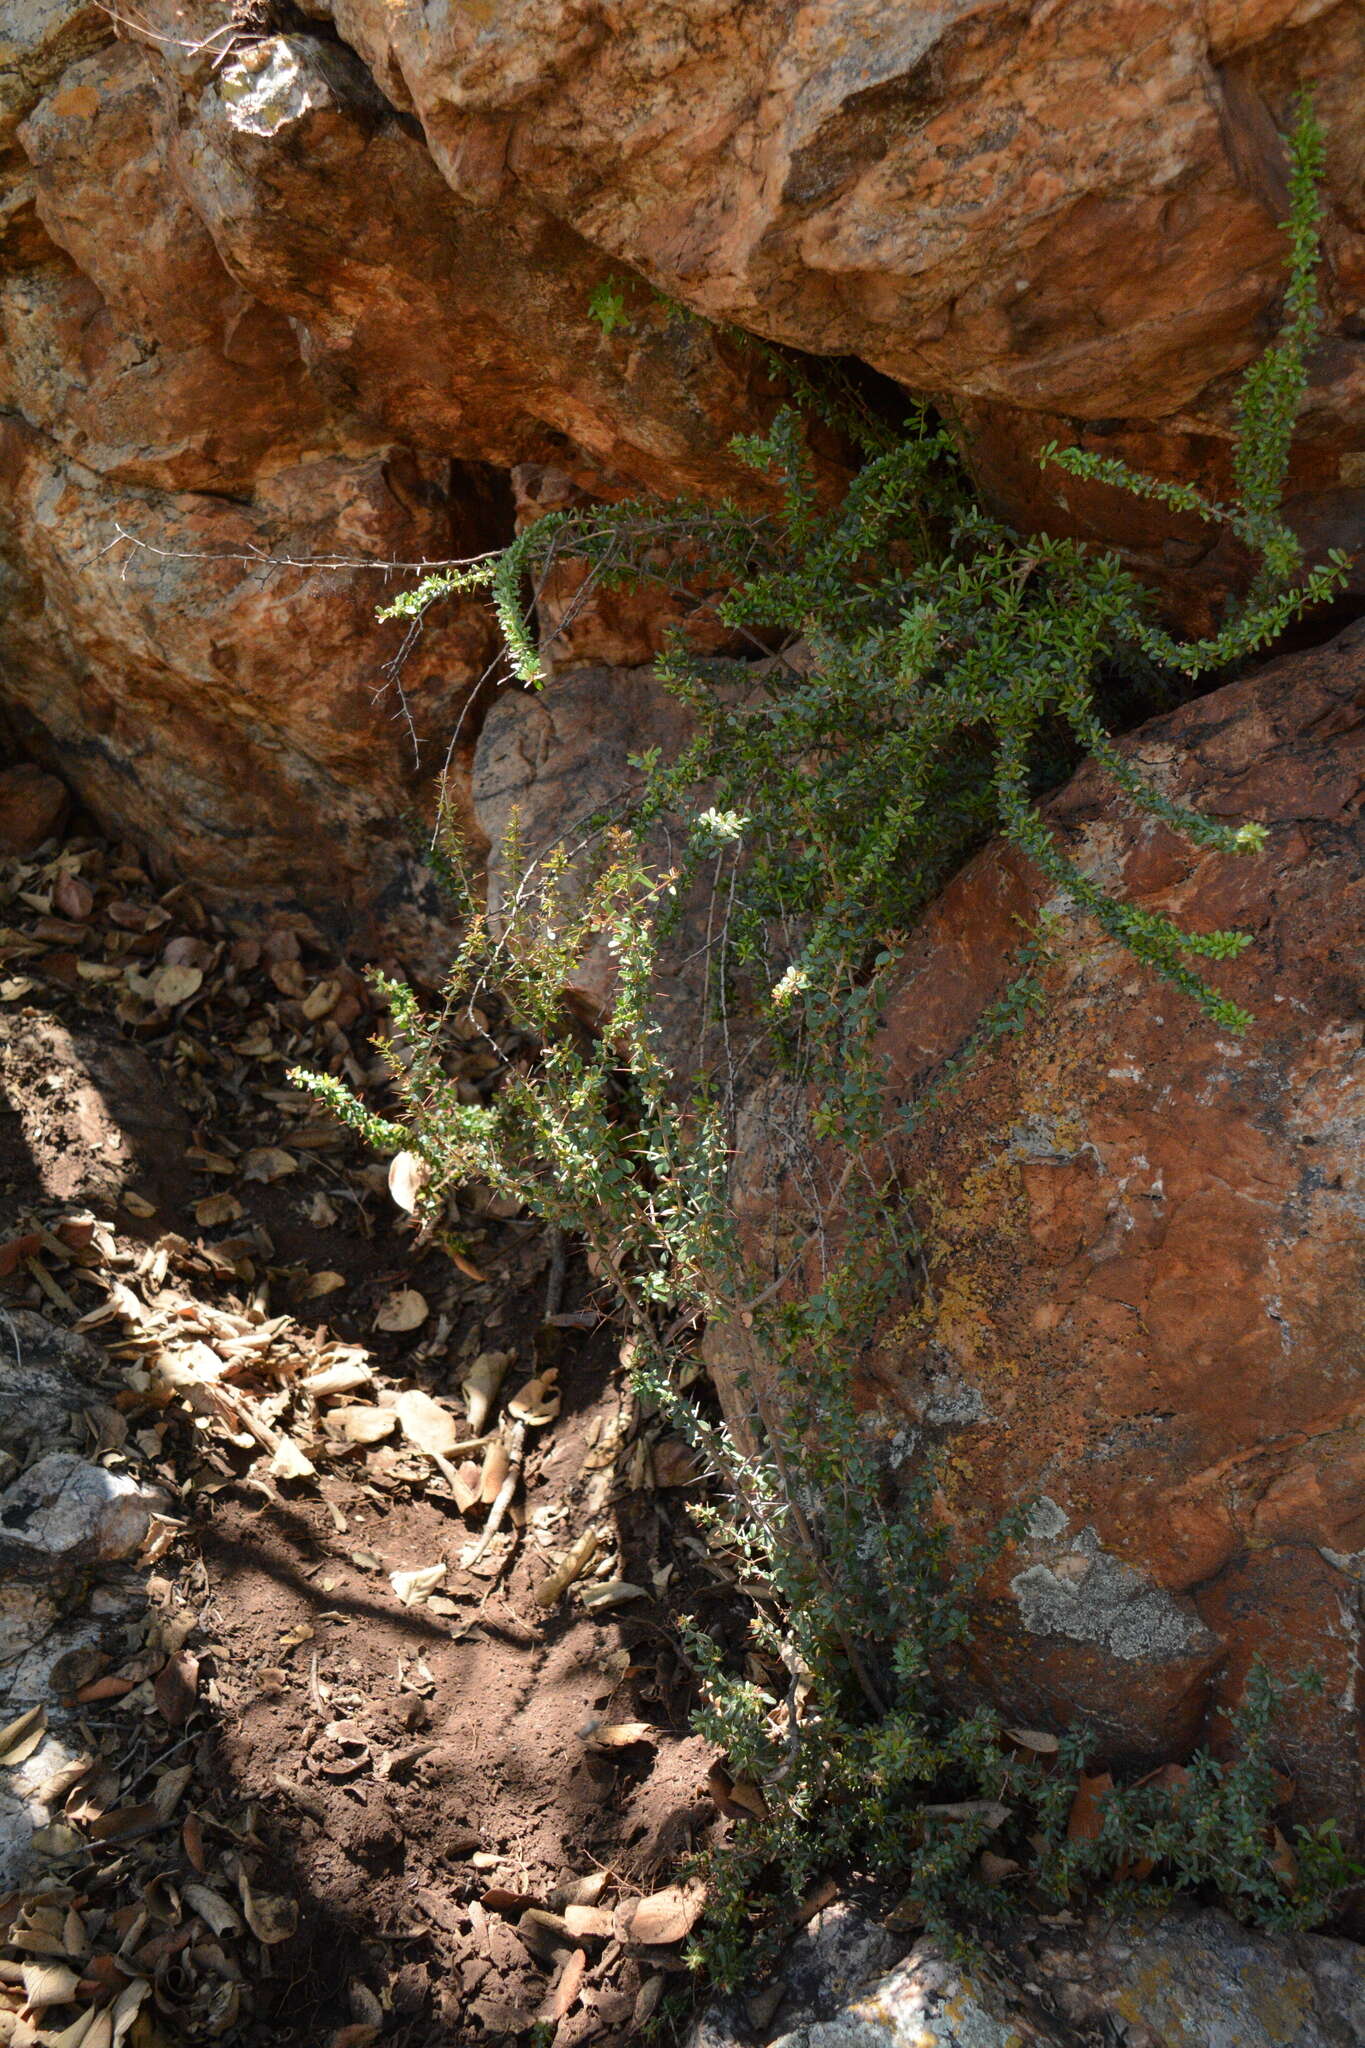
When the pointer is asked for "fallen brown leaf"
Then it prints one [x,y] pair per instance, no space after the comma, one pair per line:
[20,1737]
[403,1311]
[1083,1825]
[570,1984]
[176,1687]
[662,1918]
[124,1823]
[271,1917]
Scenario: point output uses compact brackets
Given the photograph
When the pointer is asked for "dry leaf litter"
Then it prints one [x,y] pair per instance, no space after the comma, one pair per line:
[376,1730]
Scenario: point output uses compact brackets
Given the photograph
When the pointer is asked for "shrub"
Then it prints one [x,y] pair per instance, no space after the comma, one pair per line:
[932,669]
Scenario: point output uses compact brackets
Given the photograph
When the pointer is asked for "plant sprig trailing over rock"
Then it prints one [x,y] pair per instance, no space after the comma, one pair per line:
[936,664]
[924,667]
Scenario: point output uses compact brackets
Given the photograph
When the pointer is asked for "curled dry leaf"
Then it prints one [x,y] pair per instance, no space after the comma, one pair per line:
[271,1917]
[172,985]
[405,1310]
[481,1385]
[289,1462]
[20,1737]
[360,1424]
[320,999]
[564,1574]
[413,1587]
[647,2002]
[570,1984]
[623,1734]
[268,1163]
[215,1209]
[124,2011]
[546,1934]
[342,1378]
[611,1593]
[320,1284]
[427,1425]
[589,1923]
[124,1823]
[538,1401]
[1035,1740]
[585,1890]
[47,1984]
[176,1688]
[213,1909]
[495,1464]
[408,1175]
[499,1898]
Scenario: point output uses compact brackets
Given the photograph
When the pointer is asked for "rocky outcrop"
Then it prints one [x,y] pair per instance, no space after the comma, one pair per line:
[1141,1243]
[1149,1981]
[323,290]
[244,319]
[1049,224]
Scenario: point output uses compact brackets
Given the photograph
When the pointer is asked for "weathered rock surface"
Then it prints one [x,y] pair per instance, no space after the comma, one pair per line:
[65,1524]
[1014,207]
[243,317]
[33,807]
[1142,1980]
[69,1511]
[315,294]
[558,759]
[1142,1243]
[41,1394]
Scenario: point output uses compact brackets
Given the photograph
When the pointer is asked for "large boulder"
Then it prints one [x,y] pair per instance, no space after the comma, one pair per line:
[1141,1243]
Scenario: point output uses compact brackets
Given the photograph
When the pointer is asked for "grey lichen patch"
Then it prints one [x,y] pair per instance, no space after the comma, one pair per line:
[1046,1521]
[953,1403]
[276,84]
[1092,1597]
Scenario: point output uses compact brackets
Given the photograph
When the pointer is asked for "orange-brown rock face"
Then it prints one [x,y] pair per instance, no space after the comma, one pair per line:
[1062,219]
[1144,1263]
[242,317]
[315,293]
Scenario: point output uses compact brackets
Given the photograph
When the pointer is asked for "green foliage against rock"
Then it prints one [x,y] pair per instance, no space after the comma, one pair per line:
[937,665]
[925,670]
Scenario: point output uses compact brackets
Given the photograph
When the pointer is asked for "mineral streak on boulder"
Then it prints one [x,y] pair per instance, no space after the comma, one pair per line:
[1143,1243]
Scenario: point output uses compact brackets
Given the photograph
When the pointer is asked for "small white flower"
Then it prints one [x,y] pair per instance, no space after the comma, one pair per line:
[721,828]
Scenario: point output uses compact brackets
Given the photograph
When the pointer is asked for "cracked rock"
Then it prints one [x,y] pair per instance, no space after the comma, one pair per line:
[65,1513]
